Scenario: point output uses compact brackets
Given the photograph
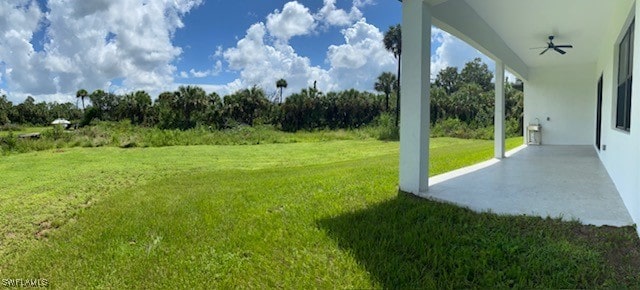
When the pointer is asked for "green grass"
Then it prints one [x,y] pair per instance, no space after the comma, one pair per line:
[304,215]
[25,130]
[125,135]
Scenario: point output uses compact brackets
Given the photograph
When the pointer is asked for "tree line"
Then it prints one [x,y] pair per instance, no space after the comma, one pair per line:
[466,96]
[191,106]
[30,112]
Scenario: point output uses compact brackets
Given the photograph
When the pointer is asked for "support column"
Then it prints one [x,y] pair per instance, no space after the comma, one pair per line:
[414,103]
[499,127]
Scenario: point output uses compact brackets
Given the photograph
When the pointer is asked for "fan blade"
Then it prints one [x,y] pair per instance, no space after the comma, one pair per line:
[544,51]
[559,50]
[565,46]
[539,47]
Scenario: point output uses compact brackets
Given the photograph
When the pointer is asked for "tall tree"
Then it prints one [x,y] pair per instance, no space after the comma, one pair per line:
[64,110]
[386,83]
[140,103]
[247,106]
[448,79]
[213,115]
[5,110]
[168,114]
[477,72]
[281,84]
[29,112]
[81,94]
[393,43]
[190,99]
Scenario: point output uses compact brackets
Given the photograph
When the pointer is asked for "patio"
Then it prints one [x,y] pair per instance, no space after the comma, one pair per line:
[556,181]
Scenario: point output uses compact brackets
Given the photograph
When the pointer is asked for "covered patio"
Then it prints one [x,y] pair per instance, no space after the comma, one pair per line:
[548,181]
[581,95]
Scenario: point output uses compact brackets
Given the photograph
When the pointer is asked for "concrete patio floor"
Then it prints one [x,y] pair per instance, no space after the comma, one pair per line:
[556,181]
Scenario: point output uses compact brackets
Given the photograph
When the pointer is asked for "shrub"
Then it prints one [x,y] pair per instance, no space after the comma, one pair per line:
[458,129]
[8,143]
[513,128]
[10,127]
[385,128]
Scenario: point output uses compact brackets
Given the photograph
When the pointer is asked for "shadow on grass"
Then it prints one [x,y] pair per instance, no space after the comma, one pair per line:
[409,242]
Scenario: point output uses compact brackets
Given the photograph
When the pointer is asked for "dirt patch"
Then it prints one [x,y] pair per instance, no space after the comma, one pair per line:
[44,229]
[86,204]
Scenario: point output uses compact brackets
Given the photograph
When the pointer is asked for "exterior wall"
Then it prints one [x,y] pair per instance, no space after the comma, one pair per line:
[621,157]
[567,97]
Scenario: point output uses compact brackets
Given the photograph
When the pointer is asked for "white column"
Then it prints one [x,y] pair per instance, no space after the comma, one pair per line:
[499,134]
[414,100]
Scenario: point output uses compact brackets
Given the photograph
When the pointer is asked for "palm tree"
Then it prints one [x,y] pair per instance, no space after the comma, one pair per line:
[190,99]
[280,84]
[386,84]
[81,94]
[393,43]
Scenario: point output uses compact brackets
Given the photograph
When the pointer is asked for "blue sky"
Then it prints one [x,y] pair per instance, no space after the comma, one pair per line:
[51,48]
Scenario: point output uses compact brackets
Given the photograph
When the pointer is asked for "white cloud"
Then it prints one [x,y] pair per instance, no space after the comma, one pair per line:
[261,60]
[217,68]
[452,52]
[354,64]
[362,57]
[333,16]
[261,63]
[84,8]
[456,53]
[199,74]
[249,49]
[362,3]
[19,20]
[193,73]
[219,51]
[294,20]
[101,41]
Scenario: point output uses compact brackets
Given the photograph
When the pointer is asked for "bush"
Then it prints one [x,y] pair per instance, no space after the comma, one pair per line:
[90,114]
[513,128]
[10,127]
[385,128]
[311,110]
[8,143]
[57,132]
[458,129]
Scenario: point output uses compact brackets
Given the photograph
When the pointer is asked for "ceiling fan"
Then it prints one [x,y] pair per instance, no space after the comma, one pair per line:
[551,45]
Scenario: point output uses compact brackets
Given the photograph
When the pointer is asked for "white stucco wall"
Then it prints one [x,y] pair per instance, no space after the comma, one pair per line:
[622,156]
[564,99]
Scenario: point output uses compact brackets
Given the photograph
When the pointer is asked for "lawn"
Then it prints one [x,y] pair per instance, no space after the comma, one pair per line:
[301,215]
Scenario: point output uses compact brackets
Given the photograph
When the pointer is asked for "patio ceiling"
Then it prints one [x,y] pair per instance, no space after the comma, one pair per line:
[507,29]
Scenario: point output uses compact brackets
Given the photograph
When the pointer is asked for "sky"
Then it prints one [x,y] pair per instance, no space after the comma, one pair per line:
[51,48]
